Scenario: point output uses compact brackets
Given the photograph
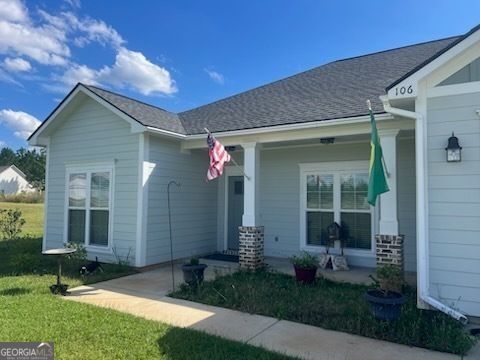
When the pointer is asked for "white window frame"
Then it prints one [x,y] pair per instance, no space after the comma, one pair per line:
[88,169]
[336,169]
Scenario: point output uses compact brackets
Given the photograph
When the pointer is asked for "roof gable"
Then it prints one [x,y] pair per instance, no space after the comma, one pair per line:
[14,168]
[146,114]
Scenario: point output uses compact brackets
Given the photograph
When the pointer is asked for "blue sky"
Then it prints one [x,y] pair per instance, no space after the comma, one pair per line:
[182,54]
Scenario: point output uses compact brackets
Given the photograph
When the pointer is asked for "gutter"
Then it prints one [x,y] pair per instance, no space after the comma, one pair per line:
[421,207]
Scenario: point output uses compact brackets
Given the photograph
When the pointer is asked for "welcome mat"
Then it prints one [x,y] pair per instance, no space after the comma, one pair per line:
[222,257]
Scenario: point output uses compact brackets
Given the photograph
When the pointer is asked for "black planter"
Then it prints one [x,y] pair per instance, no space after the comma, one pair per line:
[385,306]
[193,274]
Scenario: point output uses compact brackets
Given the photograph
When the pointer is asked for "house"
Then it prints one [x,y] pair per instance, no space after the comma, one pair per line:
[303,143]
[13,181]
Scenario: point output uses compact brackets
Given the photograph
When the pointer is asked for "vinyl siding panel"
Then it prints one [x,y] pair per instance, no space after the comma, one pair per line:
[454,202]
[193,205]
[280,195]
[93,134]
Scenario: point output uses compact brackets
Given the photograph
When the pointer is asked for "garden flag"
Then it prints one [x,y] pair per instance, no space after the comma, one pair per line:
[377,184]
[218,157]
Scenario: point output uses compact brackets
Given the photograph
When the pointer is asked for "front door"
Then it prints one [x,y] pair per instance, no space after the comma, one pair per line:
[235,210]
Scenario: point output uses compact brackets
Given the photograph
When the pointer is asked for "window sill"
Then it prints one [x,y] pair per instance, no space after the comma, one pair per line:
[349,252]
[99,249]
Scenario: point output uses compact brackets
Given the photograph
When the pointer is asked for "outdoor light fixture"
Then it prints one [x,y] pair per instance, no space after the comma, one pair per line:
[230,148]
[454,150]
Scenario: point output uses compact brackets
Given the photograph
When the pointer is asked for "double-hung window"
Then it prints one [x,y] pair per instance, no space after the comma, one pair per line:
[332,194]
[89,206]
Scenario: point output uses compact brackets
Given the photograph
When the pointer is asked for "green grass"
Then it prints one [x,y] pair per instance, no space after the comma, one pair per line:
[28,312]
[33,215]
[330,305]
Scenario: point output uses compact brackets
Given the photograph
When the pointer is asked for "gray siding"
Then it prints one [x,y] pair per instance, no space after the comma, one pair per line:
[454,202]
[280,195]
[193,205]
[93,134]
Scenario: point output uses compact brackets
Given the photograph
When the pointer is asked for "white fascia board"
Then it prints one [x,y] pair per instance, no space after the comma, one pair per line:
[38,140]
[300,126]
[166,133]
[18,171]
[408,88]
[291,132]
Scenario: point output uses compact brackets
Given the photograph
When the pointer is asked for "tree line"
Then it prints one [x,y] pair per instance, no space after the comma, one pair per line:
[31,162]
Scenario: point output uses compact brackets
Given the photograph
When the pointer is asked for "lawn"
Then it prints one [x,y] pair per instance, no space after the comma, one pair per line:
[33,215]
[330,305]
[80,331]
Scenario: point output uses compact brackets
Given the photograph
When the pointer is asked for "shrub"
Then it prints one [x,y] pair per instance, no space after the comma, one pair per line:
[390,278]
[24,262]
[304,260]
[34,197]
[194,261]
[11,223]
[80,254]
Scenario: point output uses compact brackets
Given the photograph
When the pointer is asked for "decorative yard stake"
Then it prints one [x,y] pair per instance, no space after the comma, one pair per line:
[173,182]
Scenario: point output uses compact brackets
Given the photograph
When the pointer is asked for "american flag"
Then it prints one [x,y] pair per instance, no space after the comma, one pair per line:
[218,157]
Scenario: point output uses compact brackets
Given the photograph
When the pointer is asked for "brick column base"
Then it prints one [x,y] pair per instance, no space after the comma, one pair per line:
[250,247]
[390,250]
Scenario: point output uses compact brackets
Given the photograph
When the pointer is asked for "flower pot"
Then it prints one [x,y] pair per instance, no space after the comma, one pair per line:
[193,274]
[385,306]
[305,275]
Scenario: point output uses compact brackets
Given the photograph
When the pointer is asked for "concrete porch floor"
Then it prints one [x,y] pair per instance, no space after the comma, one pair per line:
[158,281]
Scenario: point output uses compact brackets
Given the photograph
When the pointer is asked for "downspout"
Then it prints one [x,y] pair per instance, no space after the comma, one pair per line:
[422,241]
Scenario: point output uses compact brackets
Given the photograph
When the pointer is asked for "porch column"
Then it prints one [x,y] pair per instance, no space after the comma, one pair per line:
[389,242]
[251,184]
[388,200]
[251,234]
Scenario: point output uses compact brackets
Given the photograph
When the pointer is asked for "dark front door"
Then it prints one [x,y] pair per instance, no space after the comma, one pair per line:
[235,210]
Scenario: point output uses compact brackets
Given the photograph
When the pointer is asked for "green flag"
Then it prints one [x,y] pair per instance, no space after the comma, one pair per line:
[377,184]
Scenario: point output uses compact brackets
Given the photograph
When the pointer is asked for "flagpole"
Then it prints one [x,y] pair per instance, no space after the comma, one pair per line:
[369,104]
[233,160]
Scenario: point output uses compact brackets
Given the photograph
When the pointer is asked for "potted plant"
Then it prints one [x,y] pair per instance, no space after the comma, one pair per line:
[386,299]
[305,266]
[193,272]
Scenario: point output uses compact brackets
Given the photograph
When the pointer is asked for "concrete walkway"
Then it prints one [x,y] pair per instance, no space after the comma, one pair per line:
[144,295]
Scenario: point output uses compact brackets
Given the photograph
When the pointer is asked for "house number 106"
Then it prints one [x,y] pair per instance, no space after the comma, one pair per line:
[404,90]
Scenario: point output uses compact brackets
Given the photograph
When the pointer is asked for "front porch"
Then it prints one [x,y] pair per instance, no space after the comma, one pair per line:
[294,189]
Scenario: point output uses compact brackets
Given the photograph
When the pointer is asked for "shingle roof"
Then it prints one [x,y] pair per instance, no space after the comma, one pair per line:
[331,91]
[336,90]
[148,115]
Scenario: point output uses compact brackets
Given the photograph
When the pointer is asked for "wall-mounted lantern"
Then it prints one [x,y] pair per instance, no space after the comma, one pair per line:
[454,150]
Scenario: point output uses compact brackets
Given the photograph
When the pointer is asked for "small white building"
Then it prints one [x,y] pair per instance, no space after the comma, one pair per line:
[13,181]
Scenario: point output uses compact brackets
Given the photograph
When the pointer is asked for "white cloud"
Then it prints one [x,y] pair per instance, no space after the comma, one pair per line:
[79,73]
[17,65]
[44,44]
[13,10]
[215,76]
[132,69]
[74,3]
[47,38]
[20,122]
[95,30]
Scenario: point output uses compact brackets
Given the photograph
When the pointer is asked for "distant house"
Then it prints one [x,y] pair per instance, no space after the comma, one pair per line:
[304,144]
[13,181]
